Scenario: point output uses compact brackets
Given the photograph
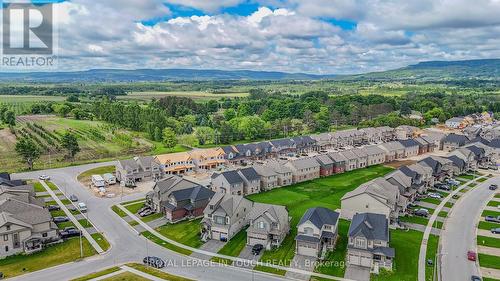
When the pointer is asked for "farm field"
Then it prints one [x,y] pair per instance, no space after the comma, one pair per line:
[98,142]
[196,95]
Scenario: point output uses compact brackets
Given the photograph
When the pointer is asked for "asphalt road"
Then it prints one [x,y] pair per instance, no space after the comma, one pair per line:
[459,235]
[127,246]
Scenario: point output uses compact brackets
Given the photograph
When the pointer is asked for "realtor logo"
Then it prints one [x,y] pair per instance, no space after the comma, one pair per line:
[28,35]
[27,28]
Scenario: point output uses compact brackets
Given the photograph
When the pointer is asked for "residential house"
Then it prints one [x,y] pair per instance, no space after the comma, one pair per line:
[441,168]
[424,146]
[418,182]
[304,144]
[404,183]
[454,141]
[375,155]
[352,160]
[362,157]
[467,156]
[339,162]
[371,135]
[208,159]
[393,150]
[387,133]
[284,173]
[323,141]
[425,173]
[232,154]
[25,225]
[176,163]
[303,169]
[143,168]
[411,147]
[268,225]
[480,155]
[268,177]
[177,198]
[326,165]
[317,232]
[376,196]
[224,216]
[434,137]
[244,181]
[455,122]
[458,164]
[283,146]
[368,244]
[405,132]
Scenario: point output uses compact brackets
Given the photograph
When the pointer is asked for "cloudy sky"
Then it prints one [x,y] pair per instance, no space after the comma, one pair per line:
[313,36]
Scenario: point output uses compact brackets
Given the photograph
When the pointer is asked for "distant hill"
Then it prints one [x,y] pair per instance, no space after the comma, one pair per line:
[485,69]
[138,75]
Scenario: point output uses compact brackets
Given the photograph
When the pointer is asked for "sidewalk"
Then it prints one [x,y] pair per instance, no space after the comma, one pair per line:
[73,219]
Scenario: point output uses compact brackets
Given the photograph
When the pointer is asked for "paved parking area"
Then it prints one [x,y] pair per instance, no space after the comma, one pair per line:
[246,253]
[301,262]
[211,246]
[357,273]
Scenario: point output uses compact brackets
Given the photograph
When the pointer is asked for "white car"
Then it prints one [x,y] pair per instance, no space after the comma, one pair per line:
[44,177]
[434,195]
[82,207]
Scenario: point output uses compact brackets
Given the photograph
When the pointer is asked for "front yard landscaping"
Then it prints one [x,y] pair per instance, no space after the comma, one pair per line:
[233,247]
[489,261]
[487,225]
[56,254]
[164,244]
[490,213]
[322,192]
[99,238]
[160,274]
[334,263]
[420,220]
[494,204]
[185,232]
[488,241]
[134,208]
[118,211]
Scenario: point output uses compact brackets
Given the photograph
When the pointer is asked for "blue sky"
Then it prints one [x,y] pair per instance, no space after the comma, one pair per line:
[313,36]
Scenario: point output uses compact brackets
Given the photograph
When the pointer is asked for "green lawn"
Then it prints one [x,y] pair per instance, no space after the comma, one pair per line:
[432,201]
[488,225]
[39,187]
[51,256]
[118,211]
[152,217]
[490,279]
[164,244]
[97,274]
[125,276]
[96,171]
[489,261]
[134,208]
[420,220]
[85,223]
[51,185]
[497,195]
[488,241]
[493,203]
[334,263]
[65,224]
[432,245]
[405,267]
[99,238]
[64,201]
[443,214]
[482,179]
[185,232]
[323,192]
[132,201]
[233,247]
[490,213]
[160,274]
[58,213]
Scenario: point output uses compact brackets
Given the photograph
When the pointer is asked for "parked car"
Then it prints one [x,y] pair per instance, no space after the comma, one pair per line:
[495,230]
[475,278]
[146,213]
[434,195]
[471,255]
[492,219]
[69,232]
[44,177]
[421,212]
[442,186]
[82,207]
[493,167]
[143,209]
[493,187]
[60,219]
[53,207]
[256,249]
[73,198]
[155,262]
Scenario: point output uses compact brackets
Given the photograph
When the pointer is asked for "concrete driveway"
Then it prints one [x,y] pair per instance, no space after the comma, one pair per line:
[304,263]
[358,273]
[246,253]
[212,246]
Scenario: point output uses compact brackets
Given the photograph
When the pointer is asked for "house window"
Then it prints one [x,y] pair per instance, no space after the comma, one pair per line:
[220,220]
[8,227]
[5,237]
[261,225]
[6,248]
[360,243]
[44,234]
[308,230]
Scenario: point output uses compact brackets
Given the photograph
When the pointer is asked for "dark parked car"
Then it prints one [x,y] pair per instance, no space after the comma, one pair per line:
[146,213]
[492,219]
[53,208]
[443,187]
[69,232]
[475,278]
[495,230]
[421,212]
[60,219]
[143,209]
[256,249]
[155,262]
[493,187]
[73,198]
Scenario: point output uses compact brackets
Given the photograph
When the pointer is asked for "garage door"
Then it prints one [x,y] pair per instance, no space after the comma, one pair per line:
[215,235]
[365,261]
[307,250]
[253,241]
[354,260]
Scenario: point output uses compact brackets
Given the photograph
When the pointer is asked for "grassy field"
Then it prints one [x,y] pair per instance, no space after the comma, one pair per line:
[490,213]
[157,273]
[432,244]
[96,171]
[323,192]
[164,244]
[488,241]
[493,203]
[97,274]
[196,95]
[489,261]
[233,247]
[487,225]
[405,267]
[134,208]
[185,232]
[67,251]
[98,142]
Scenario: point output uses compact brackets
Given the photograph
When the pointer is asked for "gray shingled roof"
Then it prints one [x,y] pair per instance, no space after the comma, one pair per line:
[458,139]
[320,216]
[194,194]
[232,177]
[250,173]
[409,143]
[370,225]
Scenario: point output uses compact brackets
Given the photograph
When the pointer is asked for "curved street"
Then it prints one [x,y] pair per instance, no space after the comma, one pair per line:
[459,233]
[127,246]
